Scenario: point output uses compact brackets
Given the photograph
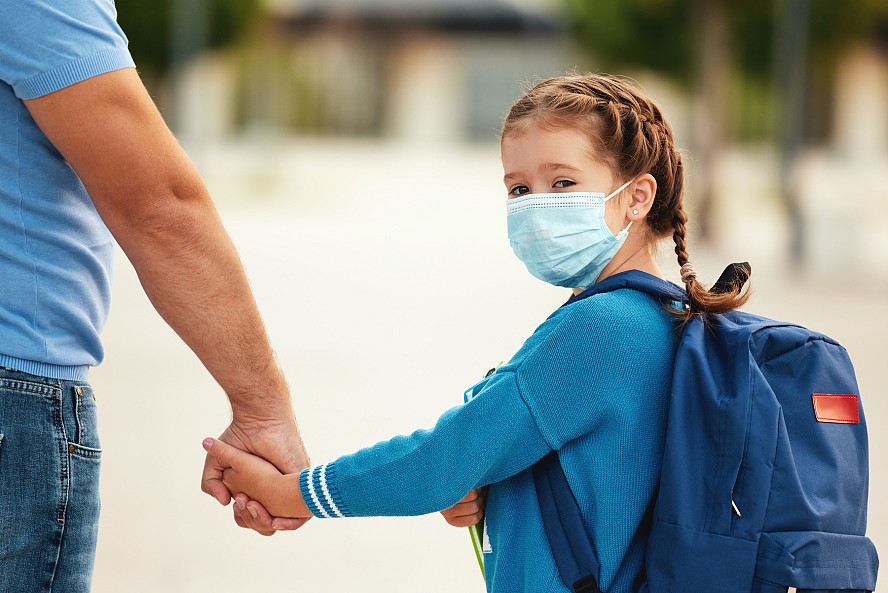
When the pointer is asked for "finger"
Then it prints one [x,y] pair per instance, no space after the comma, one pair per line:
[465,521]
[225,455]
[211,481]
[240,502]
[286,524]
[239,517]
[463,508]
[248,517]
[472,495]
[262,519]
[258,520]
[458,516]
[254,516]
[245,520]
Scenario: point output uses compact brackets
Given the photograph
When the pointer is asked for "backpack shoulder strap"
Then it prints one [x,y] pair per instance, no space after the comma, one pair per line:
[572,547]
[636,280]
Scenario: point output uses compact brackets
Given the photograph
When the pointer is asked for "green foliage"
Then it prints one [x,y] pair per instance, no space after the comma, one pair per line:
[664,35]
[656,34]
[149,26]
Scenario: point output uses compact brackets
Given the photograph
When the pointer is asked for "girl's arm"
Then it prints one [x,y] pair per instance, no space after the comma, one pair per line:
[490,438]
[595,367]
[486,440]
[592,368]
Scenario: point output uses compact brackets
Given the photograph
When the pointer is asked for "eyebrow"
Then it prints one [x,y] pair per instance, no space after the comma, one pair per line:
[547,167]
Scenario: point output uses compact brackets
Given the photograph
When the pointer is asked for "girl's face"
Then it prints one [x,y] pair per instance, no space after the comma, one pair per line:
[542,161]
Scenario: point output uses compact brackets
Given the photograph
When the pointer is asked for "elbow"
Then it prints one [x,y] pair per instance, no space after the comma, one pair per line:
[167,215]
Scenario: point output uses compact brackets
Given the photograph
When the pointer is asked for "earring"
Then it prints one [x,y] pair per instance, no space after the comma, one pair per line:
[635,212]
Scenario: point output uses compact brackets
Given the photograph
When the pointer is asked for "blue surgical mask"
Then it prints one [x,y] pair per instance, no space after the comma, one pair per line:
[562,238]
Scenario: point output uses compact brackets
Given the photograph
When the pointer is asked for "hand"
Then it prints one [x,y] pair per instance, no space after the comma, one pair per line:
[276,441]
[469,511]
[249,475]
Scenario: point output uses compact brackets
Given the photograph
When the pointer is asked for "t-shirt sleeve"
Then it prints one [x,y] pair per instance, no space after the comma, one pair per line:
[486,440]
[47,45]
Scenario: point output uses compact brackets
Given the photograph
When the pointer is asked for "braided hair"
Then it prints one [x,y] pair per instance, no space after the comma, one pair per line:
[631,136]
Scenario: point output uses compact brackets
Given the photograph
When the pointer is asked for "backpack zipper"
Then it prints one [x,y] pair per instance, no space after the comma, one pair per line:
[734,505]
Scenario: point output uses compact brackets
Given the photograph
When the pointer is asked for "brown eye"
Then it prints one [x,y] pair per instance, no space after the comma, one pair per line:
[563,183]
[519,190]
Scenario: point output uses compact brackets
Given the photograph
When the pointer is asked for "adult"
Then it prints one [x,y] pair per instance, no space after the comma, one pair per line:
[84,151]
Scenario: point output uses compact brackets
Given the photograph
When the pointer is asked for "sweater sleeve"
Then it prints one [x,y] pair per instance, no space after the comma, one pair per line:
[588,368]
[600,368]
[486,440]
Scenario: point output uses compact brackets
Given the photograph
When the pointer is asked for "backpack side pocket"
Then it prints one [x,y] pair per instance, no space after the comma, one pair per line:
[816,560]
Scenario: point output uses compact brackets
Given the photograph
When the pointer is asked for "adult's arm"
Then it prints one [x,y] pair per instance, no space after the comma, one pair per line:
[153,201]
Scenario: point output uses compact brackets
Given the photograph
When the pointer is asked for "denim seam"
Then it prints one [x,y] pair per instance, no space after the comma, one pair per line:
[64,469]
[78,431]
[84,452]
[29,387]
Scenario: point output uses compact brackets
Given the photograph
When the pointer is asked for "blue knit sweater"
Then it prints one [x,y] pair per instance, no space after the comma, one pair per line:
[592,381]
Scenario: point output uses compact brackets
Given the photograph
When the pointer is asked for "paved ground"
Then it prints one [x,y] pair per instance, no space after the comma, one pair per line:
[388,287]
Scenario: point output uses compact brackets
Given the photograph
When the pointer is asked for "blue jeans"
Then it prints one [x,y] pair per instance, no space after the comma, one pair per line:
[49,484]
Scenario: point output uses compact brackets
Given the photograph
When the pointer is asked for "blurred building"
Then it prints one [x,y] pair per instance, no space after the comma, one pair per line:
[844,184]
[415,70]
[445,71]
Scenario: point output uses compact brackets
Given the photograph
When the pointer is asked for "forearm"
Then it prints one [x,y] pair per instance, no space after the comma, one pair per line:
[153,201]
[192,274]
[280,496]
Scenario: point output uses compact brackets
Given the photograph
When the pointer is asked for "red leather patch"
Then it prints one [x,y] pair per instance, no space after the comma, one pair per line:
[840,408]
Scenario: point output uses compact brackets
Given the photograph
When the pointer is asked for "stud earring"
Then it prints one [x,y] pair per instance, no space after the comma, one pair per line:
[635,212]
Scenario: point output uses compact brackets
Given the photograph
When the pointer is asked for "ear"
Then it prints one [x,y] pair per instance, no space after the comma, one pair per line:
[641,197]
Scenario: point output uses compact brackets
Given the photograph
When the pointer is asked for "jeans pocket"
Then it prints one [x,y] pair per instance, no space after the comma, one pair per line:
[75,564]
[84,452]
[86,420]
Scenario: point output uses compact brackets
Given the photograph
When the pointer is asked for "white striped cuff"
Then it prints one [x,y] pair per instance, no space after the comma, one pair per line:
[318,486]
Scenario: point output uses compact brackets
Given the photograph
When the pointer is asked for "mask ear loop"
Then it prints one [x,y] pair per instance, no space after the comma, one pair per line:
[624,232]
[618,190]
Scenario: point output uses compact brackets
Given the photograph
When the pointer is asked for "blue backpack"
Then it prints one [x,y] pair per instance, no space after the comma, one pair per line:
[765,469]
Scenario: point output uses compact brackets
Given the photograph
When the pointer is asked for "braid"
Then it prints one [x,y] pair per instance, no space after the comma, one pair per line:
[679,220]
[629,134]
[701,300]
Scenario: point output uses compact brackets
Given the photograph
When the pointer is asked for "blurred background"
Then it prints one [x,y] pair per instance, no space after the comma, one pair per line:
[352,148]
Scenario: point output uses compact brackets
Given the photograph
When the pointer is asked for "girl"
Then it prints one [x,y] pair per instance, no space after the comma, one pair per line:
[594,182]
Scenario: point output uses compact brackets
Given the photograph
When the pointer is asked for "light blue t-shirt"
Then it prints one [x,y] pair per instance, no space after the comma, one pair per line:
[55,251]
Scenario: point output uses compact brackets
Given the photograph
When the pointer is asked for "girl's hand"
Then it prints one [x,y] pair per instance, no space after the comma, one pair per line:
[469,511]
[258,479]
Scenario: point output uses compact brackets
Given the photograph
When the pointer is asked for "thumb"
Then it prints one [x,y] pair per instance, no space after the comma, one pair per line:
[222,452]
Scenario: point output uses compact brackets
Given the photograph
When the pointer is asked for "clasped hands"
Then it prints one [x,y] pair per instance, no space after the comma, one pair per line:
[280,447]
[266,488]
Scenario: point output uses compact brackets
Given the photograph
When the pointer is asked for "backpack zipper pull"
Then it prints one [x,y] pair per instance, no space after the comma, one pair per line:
[736,510]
